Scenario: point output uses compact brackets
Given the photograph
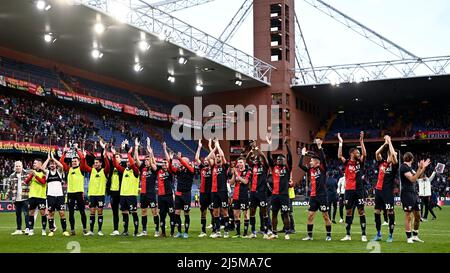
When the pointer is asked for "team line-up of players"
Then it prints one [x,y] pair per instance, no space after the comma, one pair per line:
[125,181]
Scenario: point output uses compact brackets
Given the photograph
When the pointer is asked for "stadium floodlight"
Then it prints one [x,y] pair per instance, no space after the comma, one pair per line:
[42,5]
[341,112]
[238,82]
[171,78]
[162,36]
[49,38]
[138,67]
[182,60]
[96,54]
[99,28]
[199,88]
[144,45]
[200,53]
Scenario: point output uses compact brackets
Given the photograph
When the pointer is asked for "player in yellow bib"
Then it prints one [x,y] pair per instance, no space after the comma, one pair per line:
[129,191]
[96,190]
[38,193]
[75,189]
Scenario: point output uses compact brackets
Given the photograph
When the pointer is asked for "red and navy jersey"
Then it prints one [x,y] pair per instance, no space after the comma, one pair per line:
[354,171]
[281,175]
[317,175]
[220,178]
[241,189]
[147,180]
[386,175]
[258,182]
[185,176]
[205,178]
[165,182]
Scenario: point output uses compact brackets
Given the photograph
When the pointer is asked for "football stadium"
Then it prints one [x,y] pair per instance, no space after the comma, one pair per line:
[125,129]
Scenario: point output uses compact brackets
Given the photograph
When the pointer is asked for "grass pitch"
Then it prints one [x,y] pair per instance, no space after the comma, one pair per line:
[436,235]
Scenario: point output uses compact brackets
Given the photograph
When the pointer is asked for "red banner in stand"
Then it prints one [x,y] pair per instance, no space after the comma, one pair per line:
[130,109]
[433,135]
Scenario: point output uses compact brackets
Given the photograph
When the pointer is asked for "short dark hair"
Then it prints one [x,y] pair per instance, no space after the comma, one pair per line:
[39,159]
[241,158]
[314,156]
[352,150]
[408,157]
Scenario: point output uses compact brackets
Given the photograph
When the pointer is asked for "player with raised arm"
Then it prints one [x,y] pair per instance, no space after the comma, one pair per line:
[55,194]
[240,179]
[259,168]
[384,189]
[114,180]
[317,172]
[75,188]
[96,189]
[185,178]
[409,197]
[205,188]
[281,176]
[129,190]
[148,187]
[164,178]
[37,196]
[354,186]
[219,188]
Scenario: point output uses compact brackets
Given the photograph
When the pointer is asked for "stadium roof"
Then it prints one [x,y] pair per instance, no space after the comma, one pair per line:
[372,93]
[23,27]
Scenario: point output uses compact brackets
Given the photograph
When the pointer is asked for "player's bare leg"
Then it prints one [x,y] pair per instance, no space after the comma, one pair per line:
[362,221]
[246,222]
[415,233]
[237,222]
[348,224]
[274,225]
[327,220]
[286,223]
[309,226]
[408,227]
[156,220]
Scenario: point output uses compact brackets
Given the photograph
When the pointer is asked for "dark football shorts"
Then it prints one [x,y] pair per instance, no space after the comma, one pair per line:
[240,204]
[165,203]
[183,201]
[96,201]
[258,200]
[280,202]
[128,203]
[318,203]
[205,201]
[56,203]
[219,199]
[354,198]
[148,201]
[384,199]
[410,201]
[36,203]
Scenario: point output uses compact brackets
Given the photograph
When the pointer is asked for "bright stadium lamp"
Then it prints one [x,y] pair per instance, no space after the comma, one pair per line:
[144,45]
[138,67]
[200,53]
[199,88]
[42,5]
[182,60]
[238,82]
[171,78]
[99,28]
[96,54]
[49,38]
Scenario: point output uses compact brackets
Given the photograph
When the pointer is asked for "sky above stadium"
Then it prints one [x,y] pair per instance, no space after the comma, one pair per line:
[421,27]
